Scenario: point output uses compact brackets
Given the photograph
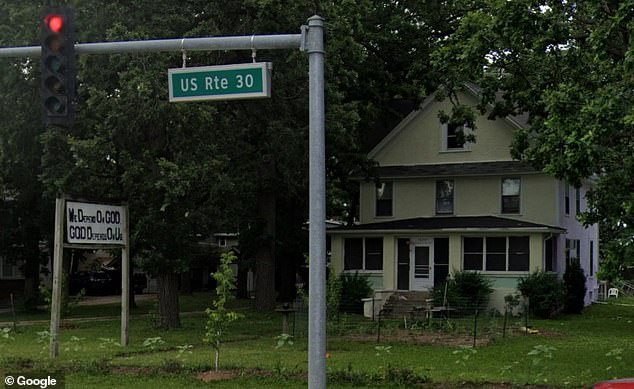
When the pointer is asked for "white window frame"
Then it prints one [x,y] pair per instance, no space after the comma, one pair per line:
[567,204]
[453,197]
[376,199]
[573,245]
[519,196]
[444,134]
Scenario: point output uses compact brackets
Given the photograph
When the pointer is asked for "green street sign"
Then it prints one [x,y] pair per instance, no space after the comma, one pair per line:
[223,82]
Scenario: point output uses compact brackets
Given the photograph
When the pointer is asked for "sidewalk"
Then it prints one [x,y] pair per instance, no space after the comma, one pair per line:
[85,301]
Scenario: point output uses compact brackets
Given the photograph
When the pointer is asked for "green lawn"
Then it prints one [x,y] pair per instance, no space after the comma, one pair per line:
[574,351]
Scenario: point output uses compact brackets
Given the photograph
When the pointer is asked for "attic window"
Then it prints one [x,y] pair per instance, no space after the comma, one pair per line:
[455,137]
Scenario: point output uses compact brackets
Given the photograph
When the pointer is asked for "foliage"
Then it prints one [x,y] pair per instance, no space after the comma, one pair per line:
[566,69]
[616,255]
[545,293]
[465,290]
[575,285]
[333,294]
[67,302]
[218,318]
[354,287]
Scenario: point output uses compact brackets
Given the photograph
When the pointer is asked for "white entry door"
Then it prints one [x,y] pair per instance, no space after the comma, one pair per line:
[422,267]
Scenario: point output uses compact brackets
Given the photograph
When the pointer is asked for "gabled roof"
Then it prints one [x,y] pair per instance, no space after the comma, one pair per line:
[381,134]
[456,169]
[451,223]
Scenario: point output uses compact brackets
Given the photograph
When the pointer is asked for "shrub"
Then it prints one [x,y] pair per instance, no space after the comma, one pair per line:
[333,294]
[466,289]
[354,287]
[575,285]
[545,293]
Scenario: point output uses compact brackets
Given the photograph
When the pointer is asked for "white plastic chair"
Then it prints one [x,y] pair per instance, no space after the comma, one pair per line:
[613,292]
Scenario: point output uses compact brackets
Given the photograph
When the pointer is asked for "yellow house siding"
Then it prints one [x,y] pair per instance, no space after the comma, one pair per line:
[420,140]
[389,263]
[536,247]
[477,195]
[336,253]
[455,253]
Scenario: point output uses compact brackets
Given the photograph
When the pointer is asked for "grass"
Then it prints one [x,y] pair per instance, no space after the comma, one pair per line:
[571,352]
[195,302]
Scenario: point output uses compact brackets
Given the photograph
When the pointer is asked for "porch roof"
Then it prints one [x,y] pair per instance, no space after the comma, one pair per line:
[456,169]
[451,223]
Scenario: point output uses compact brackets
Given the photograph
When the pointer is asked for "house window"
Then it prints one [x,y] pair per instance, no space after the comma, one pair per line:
[591,252]
[9,269]
[363,254]
[518,253]
[511,195]
[501,253]
[473,252]
[455,136]
[550,254]
[577,200]
[573,252]
[444,197]
[567,198]
[384,199]
[496,254]
[222,241]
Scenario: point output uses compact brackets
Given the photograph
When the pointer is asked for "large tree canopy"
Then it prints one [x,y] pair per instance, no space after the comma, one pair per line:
[569,66]
[189,169]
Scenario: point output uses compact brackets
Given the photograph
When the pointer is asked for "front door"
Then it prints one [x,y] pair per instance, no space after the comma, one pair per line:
[422,277]
[414,264]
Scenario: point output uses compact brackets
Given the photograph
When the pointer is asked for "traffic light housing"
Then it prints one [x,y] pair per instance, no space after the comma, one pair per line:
[58,66]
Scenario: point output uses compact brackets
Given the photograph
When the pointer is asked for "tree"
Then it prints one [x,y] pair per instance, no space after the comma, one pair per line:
[218,318]
[24,217]
[566,66]
[189,169]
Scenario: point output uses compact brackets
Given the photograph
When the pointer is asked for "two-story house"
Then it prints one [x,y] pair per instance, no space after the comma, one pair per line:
[445,205]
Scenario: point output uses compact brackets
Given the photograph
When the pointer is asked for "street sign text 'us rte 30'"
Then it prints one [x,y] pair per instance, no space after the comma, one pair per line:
[223,82]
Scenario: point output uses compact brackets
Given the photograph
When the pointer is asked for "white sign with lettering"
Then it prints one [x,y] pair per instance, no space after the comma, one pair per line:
[95,223]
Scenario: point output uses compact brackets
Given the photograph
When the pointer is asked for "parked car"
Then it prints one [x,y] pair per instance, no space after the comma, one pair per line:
[104,282]
[624,383]
[92,282]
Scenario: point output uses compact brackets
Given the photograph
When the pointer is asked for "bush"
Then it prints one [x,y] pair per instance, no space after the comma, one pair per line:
[354,287]
[575,285]
[466,289]
[545,294]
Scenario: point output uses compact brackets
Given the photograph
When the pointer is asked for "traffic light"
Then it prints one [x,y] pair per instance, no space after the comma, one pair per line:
[58,66]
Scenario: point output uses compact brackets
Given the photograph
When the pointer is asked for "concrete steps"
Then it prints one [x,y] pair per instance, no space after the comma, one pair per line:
[401,304]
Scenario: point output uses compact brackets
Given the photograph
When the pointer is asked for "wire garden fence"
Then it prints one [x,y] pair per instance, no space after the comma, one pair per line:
[461,324]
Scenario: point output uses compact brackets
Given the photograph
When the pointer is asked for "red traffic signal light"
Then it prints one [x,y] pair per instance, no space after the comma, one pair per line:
[57,65]
[54,22]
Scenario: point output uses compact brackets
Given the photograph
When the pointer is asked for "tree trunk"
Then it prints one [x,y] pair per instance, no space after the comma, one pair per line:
[186,282]
[167,284]
[265,254]
[131,299]
[31,268]
[243,274]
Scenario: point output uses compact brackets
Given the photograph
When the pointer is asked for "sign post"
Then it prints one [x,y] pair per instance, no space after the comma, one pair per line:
[89,226]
